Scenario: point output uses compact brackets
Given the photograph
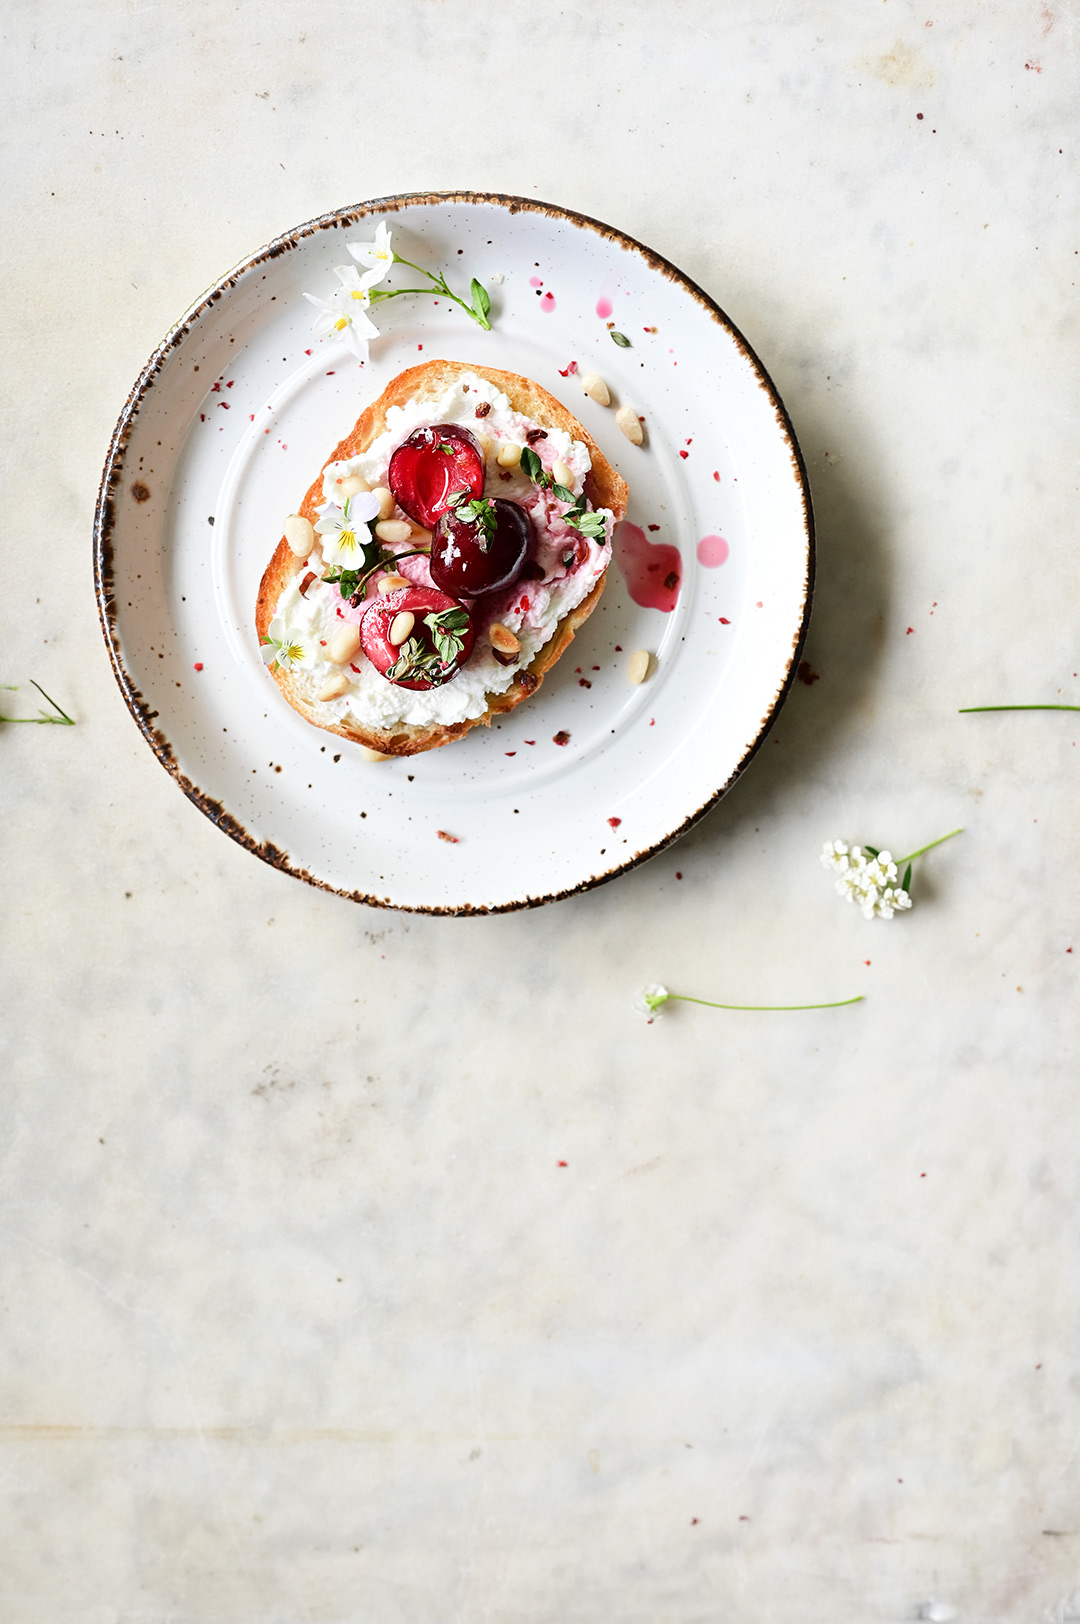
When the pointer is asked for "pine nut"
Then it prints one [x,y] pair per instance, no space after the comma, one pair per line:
[299,535]
[628,420]
[561,474]
[502,638]
[509,455]
[639,666]
[343,645]
[373,755]
[391,583]
[596,389]
[335,687]
[420,537]
[386,501]
[400,627]
[485,442]
[350,485]
[393,530]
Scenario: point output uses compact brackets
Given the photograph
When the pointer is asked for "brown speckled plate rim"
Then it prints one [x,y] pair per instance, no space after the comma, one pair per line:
[105,518]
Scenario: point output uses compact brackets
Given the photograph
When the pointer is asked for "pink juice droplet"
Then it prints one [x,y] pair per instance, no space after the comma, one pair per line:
[603,308]
[536,282]
[548,303]
[652,570]
[713,551]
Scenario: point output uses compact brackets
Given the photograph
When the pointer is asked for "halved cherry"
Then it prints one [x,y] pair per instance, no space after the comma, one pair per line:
[478,547]
[433,463]
[418,659]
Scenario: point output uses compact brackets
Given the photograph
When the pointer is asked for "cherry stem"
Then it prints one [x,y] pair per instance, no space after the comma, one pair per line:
[969,710]
[900,861]
[840,1004]
[384,563]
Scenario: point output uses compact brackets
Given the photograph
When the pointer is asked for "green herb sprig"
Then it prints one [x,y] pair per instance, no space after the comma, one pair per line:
[479,510]
[589,524]
[436,666]
[43,718]
[477,310]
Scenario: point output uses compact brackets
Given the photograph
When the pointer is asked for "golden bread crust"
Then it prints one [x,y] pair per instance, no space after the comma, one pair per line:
[604,487]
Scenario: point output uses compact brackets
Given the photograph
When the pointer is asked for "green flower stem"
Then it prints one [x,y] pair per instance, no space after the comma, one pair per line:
[685,998]
[969,710]
[940,841]
[438,285]
[61,719]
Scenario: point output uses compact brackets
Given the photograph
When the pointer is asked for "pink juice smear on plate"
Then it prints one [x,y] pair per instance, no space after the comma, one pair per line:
[712,551]
[603,307]
[652,570]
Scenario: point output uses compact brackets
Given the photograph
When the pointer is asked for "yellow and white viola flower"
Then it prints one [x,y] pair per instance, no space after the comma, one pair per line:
[344,315]
[344,530]
[288,648]
[377,256]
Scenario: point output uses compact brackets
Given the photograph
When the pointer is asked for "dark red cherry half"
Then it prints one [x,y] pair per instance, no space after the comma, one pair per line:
[433,463]
[469,559]
[421,602]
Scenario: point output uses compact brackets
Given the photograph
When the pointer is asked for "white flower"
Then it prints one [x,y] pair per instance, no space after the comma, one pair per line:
[344,314]
[378,256]
[866,879]
[835,856]
[651,1000]
[344,531]
[288,648]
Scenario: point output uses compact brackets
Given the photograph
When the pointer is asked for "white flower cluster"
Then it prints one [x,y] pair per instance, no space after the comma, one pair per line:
[345,314]
[867,878]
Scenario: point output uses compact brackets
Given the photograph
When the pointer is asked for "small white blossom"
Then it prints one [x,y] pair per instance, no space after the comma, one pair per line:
[344,530]
[378,256]
[865,879]
[344,314]
[288,648]
[650,1000]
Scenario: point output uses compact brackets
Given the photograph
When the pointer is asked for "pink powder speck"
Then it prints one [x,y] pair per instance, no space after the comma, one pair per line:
[713,551]
[603,307]
[198,665]
[548,303]
[759,605]
[536,282]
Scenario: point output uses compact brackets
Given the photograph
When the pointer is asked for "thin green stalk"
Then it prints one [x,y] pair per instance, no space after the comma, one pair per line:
[840,1003]
[477,310]
[61,719]
[910,858]
[969,710]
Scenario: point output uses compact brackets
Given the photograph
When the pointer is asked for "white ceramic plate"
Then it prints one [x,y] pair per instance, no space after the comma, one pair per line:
[235,413]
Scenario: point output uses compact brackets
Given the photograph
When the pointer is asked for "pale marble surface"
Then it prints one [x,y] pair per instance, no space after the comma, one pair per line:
[303,1320]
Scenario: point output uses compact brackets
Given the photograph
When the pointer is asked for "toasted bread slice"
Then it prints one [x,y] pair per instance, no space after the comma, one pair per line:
[604,487]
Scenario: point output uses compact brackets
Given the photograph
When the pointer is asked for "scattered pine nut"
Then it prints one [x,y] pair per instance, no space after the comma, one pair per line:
[596,389]
[395,529]
[400,627]
[628,420]
[299,535]
[343,645]
[640,664]
[509,455]
[335,687]
[502,638]
[561,474]
[386,501]
[392,583]
[373,755]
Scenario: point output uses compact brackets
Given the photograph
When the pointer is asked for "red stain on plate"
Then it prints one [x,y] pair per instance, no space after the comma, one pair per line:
[712,551]
[652,570]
